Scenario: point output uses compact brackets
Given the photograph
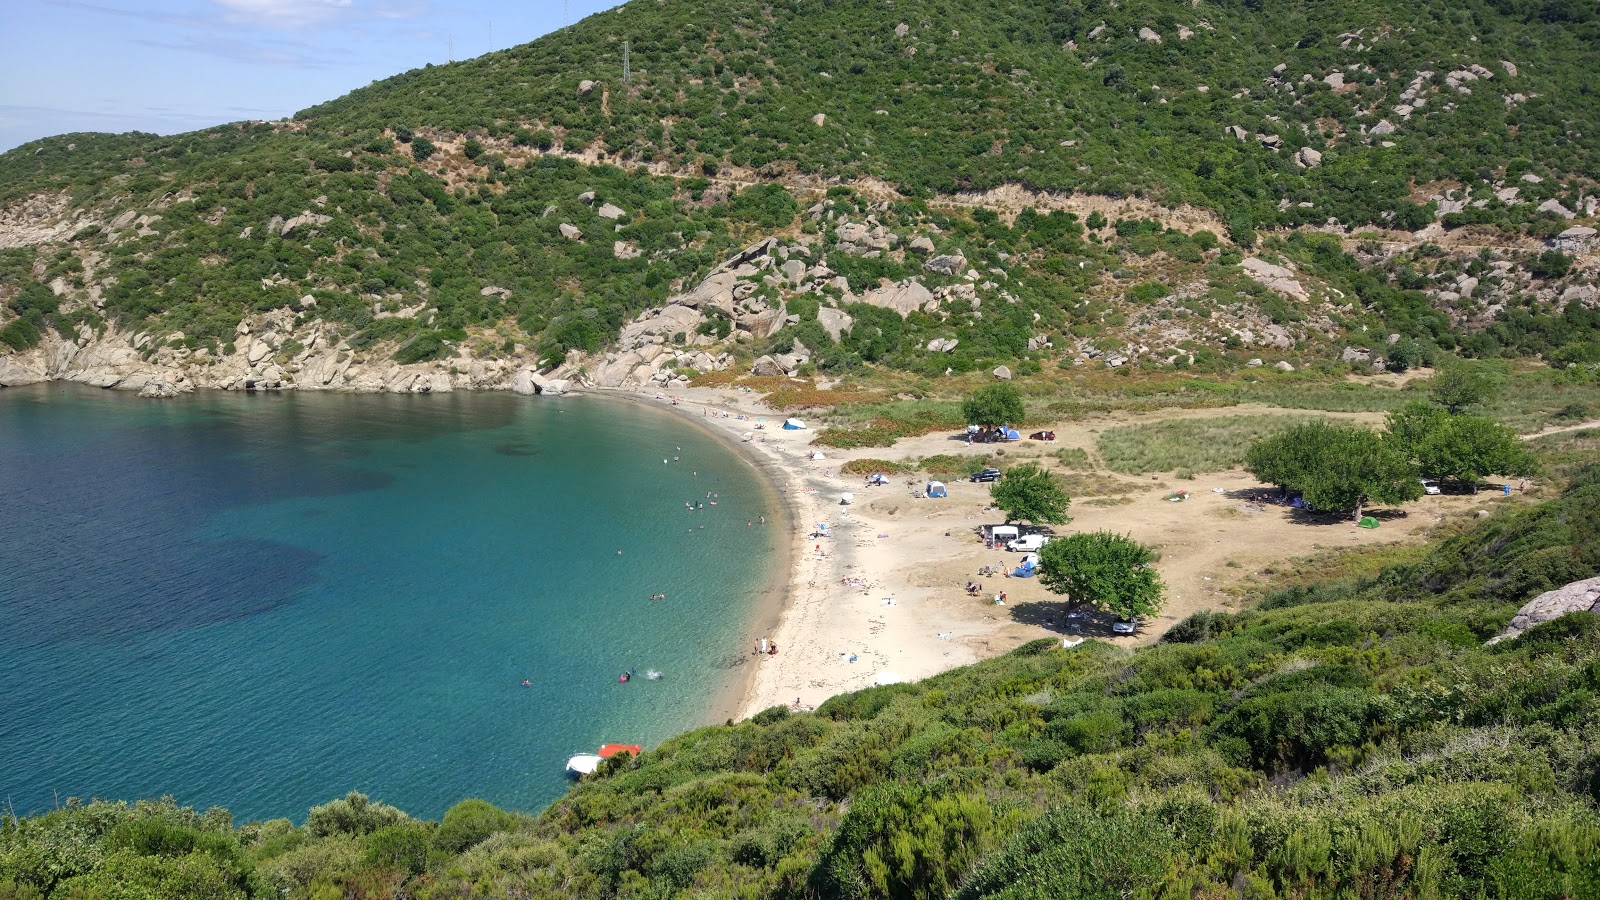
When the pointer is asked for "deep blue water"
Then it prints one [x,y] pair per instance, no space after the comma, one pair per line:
[263,602]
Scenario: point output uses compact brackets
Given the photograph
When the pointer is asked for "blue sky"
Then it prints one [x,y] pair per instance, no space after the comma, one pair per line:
[176,65]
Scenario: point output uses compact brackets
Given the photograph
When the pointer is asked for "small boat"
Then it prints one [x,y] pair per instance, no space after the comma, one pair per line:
[583,764]
[609,750]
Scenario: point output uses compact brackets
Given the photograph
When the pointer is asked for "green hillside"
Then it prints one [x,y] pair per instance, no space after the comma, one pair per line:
[1347,738]
[423,215]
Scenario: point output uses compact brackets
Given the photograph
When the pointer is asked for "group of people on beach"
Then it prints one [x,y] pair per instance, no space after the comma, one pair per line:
[765,647]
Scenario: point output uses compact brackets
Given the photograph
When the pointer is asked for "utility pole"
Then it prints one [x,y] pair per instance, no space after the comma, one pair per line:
[450,47]
[627,72]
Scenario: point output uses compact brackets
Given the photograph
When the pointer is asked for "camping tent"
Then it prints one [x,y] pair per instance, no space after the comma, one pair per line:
[793,425]
[937,489]
[878,478]
[1368,522]
[1026,570]
[1011,434]
[818,455]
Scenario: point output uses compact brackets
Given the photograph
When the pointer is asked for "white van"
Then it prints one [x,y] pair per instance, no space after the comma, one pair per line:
[1028,543]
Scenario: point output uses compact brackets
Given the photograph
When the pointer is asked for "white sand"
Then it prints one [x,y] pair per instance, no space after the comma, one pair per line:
[887,588]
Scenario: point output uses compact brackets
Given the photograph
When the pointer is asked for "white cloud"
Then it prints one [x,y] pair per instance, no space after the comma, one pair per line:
[285,13]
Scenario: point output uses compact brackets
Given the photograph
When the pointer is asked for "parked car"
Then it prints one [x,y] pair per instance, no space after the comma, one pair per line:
[986,475]
[1125,626]
[1028,543]
[1429,486]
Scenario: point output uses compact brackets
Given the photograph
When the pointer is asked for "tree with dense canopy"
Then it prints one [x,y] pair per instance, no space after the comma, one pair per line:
[1335,467]
[1458,447]
[1105,570]
[1458,386]
[993,405]
[1029,493]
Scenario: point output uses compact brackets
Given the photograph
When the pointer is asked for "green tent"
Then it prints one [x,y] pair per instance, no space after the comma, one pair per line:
[1368,522]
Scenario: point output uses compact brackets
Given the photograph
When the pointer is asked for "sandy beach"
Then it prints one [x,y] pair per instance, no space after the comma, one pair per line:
[882,596]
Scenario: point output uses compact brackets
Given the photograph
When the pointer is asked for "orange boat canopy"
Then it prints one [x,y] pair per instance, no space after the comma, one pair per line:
[609,750]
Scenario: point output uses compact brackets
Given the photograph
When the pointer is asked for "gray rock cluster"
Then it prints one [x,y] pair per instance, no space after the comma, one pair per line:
[1577,597]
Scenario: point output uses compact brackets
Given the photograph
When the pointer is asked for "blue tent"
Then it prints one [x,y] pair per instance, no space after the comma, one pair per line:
[1012,434]
[937,489]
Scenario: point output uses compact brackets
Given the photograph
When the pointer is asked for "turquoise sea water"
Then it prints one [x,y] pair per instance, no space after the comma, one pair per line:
[263,602]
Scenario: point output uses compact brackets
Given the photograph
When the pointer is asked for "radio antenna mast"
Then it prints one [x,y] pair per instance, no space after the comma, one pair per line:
[627,72]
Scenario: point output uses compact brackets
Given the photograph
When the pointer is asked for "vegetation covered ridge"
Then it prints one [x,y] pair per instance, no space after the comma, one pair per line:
[908,167]
[1347,737]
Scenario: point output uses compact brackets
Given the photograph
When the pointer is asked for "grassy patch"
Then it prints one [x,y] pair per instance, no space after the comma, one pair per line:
[880,425]
[954,464]
[1108,501]
[868,465]
[1562,454]
[1193,445]
[1073,458]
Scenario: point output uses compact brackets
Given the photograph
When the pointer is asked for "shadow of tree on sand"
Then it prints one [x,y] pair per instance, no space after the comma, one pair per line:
[1065,618]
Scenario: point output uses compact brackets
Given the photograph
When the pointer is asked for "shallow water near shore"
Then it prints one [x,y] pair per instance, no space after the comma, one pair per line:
[263,602]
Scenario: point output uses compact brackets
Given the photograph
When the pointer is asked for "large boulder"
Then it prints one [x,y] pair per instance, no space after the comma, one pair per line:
[1579,596]
[768,367]
[715,291]
[903,298]
[1577,239]
[1274,277]
[661,325]
[1002,372]
[834,321]
[570,232]
[1308,158]
[947,264]
[608,211]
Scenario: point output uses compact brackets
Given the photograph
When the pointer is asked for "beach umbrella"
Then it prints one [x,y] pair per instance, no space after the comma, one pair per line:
[846,497]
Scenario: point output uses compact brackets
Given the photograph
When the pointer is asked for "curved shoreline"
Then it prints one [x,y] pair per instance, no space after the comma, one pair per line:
[857,605]
[733,700]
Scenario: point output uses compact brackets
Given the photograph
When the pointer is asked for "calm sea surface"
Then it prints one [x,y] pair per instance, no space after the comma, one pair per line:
[263,602]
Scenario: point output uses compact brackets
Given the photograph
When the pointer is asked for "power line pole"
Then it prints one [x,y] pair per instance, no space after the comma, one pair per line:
[450,45]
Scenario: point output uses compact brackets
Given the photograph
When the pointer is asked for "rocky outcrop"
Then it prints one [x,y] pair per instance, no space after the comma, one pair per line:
[1276,278]
[1577,239]
[903,298]
[949,264]
[658,326]
[834,321]
[1579,596]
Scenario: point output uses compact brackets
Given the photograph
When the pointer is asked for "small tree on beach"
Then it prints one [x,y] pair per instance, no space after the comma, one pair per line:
[1108,571]
[993,405]
[1029,493]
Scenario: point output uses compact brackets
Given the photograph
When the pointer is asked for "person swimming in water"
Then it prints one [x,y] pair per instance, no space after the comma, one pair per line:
[527,682]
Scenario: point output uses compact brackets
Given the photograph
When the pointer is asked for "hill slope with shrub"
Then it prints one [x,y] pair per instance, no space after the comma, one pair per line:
[1352,738]
[434,217]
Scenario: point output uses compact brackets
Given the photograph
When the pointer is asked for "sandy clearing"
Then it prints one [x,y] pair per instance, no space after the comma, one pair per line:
[887,588]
